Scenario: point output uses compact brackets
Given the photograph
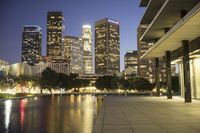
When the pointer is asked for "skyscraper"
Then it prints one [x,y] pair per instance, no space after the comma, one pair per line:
[131,61]
[145,66]
[87,49]
[73,53]
[54,36]
[31,44]
[107,47]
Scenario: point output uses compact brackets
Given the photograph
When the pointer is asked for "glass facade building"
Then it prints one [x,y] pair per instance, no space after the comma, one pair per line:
[131,61]
[87,49]
[73,53]
[54,36]
[31,44]
[146,67]
[107,47]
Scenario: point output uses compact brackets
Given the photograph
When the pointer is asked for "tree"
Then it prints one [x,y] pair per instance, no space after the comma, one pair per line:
[123,84]
[99,84]
[84,82]
[2,83]
[107,82]
[73,81]
[22,80]
[63,81]
[33,82]
[49,79]
[142,84]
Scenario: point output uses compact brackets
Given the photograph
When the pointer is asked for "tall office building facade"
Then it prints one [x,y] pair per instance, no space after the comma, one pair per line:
[87,49]
[31,44]
[73,53]
[131,61]
[107,47]
[145,66]
[55,28]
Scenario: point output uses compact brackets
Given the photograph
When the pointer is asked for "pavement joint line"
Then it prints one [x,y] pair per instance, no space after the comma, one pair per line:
[132,129]
[104,108]
[167,115]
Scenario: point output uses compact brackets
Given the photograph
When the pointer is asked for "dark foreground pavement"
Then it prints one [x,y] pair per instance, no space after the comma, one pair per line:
[137,114]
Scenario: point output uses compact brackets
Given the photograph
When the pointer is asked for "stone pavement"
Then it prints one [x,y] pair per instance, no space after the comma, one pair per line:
[146,114]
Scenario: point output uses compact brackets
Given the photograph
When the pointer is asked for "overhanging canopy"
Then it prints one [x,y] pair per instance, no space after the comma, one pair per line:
[188,28]
[167,16]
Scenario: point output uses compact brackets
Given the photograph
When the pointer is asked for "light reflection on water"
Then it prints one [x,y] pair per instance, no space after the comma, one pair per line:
[8,105]
[50,114]
[22,111]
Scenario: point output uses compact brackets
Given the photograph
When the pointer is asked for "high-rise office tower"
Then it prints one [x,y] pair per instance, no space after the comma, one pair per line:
[87,49]
[31,44]
[73,53]
[131,61]
[146,67]
[107,47]
[54,36]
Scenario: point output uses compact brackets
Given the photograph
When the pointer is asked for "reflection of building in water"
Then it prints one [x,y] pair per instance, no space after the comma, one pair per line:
[8,107]
[71,114]
[99,104]
[55,114]
[23,103]
[88,114]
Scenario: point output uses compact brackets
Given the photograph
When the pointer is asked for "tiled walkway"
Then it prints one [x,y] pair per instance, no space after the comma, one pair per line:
[136,114]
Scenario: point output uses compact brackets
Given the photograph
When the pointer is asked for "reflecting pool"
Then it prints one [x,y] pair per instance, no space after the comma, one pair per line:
[49,114]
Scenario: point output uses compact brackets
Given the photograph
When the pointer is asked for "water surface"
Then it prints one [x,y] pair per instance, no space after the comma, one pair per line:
[49,114]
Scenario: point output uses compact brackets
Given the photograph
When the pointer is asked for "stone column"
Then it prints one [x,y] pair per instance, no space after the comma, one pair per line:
[169,77]
[186,70]
[157,80]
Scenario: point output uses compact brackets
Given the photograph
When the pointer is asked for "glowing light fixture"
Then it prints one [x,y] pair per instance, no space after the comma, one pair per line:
[112,21]
[87,26]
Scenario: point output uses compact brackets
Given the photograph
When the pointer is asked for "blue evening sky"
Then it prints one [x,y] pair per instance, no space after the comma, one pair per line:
[16,13]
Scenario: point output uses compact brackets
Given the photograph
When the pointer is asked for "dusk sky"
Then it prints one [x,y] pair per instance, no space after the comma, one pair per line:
[16,13]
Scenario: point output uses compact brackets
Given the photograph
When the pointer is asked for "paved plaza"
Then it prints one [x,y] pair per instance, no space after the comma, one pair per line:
[138,114]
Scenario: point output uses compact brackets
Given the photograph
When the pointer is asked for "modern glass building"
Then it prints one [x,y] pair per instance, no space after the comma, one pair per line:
[73,53]
[31,44]
[146,67]
[107,47]
[55,28]
[173,27]
[131,61]
[87,49]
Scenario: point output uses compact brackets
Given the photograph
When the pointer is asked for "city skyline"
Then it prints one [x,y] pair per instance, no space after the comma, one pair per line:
[52,88]
[36,15]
